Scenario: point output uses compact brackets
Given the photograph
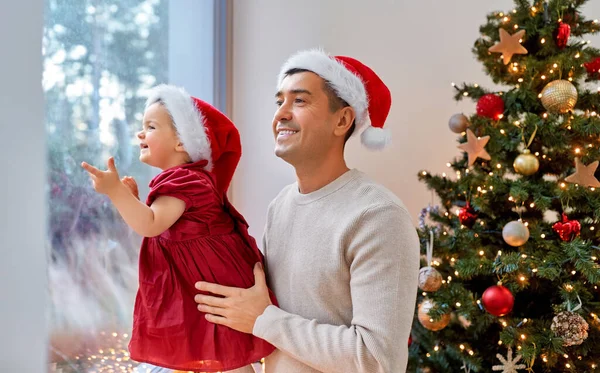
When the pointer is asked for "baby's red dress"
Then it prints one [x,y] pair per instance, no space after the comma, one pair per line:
[210,242]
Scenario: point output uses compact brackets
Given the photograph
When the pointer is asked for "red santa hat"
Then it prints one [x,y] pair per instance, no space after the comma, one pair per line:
[205,132]
[355,83]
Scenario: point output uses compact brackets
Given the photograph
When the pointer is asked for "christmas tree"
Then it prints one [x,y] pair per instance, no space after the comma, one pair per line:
[510,267]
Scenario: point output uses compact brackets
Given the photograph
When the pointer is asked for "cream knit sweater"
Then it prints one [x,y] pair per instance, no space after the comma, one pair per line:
[343,262]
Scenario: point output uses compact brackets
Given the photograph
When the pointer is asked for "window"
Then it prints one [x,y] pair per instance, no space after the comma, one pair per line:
[99,57]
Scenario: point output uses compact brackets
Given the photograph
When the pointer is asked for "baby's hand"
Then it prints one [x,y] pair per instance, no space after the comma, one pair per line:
[131,185]
[105,182]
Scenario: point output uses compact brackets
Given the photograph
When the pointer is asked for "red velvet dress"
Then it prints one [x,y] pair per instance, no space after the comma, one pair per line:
[210,242]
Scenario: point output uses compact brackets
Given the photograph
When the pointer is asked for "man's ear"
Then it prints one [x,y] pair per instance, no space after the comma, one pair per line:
[346,118]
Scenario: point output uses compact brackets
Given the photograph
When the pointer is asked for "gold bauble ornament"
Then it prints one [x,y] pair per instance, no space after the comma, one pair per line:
[429,279]
[515,233]
[559,96]
[526,163]
[427,321]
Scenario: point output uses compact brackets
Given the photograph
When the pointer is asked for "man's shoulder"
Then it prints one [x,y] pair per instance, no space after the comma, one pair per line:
[283,195]
[368,194]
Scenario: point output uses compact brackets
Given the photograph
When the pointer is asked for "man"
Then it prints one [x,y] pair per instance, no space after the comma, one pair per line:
[341,252]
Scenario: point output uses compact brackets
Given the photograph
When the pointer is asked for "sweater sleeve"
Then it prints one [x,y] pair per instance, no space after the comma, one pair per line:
[382,252]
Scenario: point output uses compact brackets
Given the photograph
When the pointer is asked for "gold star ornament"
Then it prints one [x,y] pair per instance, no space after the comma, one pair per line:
[475,147]
[584,175]
[509,45]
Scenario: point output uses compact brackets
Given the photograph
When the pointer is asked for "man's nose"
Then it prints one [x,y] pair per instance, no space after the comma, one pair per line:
[283,114]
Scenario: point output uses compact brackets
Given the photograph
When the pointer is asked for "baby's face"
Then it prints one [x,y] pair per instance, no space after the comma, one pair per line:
[159,143]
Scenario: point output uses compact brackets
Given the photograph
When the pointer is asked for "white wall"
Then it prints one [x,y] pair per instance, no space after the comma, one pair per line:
[417,47]
[22,215]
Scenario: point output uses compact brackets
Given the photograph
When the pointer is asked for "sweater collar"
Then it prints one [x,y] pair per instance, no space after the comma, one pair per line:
[328,189]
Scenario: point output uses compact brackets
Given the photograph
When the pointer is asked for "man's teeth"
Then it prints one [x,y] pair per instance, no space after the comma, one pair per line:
[287,132]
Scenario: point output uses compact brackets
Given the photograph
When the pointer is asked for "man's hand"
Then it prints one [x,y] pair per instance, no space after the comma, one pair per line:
[131,184]
[105,182]
[236,308]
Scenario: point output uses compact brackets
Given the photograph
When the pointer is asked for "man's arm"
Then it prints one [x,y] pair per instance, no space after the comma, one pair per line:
[383,256]
[384,264]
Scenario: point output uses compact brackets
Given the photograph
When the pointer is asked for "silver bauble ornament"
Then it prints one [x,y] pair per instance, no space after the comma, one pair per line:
[458,123]
[515,233]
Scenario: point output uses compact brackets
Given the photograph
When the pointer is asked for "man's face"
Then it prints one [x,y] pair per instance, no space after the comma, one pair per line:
[303,124]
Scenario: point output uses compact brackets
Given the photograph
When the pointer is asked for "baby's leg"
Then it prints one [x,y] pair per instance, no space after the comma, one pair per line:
[147,368]
[246,369]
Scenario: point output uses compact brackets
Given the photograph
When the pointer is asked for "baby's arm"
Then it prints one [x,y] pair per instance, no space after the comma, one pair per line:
[146,221]
[132,185]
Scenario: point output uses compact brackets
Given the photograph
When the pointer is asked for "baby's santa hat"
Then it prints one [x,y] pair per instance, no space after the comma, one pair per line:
[355,83]
[205,132]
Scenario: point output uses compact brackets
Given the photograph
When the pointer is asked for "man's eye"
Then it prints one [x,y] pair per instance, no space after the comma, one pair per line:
[299,101]
[279,103]
[150,127]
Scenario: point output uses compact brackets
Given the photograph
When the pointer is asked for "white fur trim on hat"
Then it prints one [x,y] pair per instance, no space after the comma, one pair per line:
[375,138]
[348,86]
[187,118]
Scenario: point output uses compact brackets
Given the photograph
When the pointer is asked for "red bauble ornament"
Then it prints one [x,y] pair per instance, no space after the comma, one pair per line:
[562,35]
[567,229]
[467,215]
[410,340]
[490,106]
[592,67]
[498,300]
